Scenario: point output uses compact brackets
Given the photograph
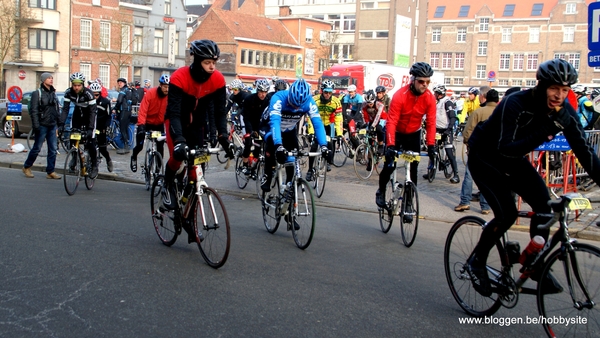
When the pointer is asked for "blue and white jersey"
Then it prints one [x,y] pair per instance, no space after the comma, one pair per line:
[354,102]
[284,118]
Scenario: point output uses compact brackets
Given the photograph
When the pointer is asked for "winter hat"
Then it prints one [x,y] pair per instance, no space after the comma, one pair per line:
[45,76]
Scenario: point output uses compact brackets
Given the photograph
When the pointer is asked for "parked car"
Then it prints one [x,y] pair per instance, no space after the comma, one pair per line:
[22,126]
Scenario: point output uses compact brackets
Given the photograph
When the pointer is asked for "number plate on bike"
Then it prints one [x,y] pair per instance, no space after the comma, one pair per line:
[410,158]
[580,203]
[202,159]
[438,136]
[362,132]
[75,136]
[156,134]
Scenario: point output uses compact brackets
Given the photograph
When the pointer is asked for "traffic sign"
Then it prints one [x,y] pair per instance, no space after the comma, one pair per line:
[594,58]
[492,74]
[22,74]
[594,26]
[15,94]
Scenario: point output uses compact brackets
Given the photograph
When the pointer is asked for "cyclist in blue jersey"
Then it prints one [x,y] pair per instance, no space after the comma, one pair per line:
[354,103]
[279,123]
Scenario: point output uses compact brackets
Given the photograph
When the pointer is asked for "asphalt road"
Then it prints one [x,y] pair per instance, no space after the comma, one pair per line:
[91,265]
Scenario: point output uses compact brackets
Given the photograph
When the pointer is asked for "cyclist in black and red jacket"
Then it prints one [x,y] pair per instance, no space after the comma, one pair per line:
[196,94]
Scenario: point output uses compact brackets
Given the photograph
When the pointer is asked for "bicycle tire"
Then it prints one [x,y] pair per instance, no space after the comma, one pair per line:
[432,170]
[271,206]
[379,163]
[240,178]
[386,215]
[72,171]
[147,169]
[409,227]
[362,158]
[339,154]
[320,176]
[221,157]
[164,220]
[214,234]
[64,139]
[156,165]
[31,141]
[448,172]
[461,240]
[89,181]
[260,170]
[583,265]
[304,214]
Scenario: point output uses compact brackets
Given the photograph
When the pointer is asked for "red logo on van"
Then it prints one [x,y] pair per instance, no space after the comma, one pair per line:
[386,80]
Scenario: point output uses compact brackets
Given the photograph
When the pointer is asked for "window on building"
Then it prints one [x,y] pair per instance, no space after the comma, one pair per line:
[574,60]
[137,74]
[536,10]
[124,73]
[168,7]
[480,72]
[85,34]
[504,62]
[464,11]
[434,60]
[482,48]
[323,65]
[518,61]
[138,39]
[349,23]
[86,70]
[561,56]
[571,8]
[532,62]
[341,52]
[534,34]
[568,34]
[506,34]
[439,12]
[243,57]
[484,24]
[436,34]
[104,73]
[530,83]
[159,37]
[509,10]
[458,81]
[381,34]
[292,62]
[105,35]
[503,82]
[125,34]
[309,35]
[251,60]
[461,34]
[517,83]
[446,60]
[459,61]
[48,4]
[42,39]
[336,20]
[323,37]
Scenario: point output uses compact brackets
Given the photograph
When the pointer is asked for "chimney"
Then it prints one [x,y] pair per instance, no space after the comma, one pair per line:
[233,5]
[285,11]
[261,7]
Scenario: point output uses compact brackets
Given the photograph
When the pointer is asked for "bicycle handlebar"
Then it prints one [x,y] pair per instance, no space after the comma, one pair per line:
[559,208]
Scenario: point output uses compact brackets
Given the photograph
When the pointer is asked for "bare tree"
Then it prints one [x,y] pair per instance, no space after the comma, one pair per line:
[13,33]
[116,40]
[325,49]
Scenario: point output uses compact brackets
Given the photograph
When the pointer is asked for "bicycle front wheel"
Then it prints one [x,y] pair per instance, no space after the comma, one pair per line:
[212,228]
[240,177]
[321,176]
[303,215]
[271,206]
[363,162]
[340,152]
[577,273]
[31,141]
[409,217]
[89,182]
[448,172]
[146,169]
[431,169]
[461,241]
[163,219]
[72,171]
[386,215]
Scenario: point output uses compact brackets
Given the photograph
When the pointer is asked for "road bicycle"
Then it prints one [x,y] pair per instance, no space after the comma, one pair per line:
[319,168]
[78,163]
[366,157]
[242,178]
[574,268]
[235,137]
[441,161]
[113,134]
[153,161]
[293,201]
[199,208]
[402,200]
[342,149]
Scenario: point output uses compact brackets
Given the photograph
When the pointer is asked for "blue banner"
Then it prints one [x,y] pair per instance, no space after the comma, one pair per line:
[558,143]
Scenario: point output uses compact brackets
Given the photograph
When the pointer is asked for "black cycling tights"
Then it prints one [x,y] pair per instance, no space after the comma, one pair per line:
[409,142]
[497,181]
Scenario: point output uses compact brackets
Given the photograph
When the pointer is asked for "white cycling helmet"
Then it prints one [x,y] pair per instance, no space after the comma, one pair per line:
[351,88]
[237,84]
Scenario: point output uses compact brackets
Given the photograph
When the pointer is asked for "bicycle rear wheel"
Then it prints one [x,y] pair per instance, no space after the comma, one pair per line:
[432,169]
[72,171]
[578,273]
[321,176]
[146,170]
[271,206]
[156,167]
[212,228]
[303,215]
[448,172]
[409,215]
[163,219]
[462,238]
[386,215]
[240,177]
[363,162]
[64,139]
[340,152]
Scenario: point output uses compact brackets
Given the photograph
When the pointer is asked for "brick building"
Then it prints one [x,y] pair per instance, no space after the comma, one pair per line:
[482,42]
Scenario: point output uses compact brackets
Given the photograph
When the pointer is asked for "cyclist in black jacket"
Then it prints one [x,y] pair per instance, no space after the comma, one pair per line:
[499,166]
[102,122]
[123,108]
[253,107]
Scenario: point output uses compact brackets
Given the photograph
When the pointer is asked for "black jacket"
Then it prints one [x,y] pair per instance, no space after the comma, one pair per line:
[103,113]
[44,110]
[84,115]
[253,108]
[123,103]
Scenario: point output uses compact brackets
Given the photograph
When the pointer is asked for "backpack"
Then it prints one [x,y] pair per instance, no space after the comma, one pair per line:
[39,102]
[135,97]
[593,121]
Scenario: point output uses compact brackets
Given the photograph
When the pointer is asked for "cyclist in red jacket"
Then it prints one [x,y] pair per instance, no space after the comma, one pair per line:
[403,128]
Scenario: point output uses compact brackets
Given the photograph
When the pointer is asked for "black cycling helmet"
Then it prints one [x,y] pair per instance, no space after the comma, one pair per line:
[122,80]
[137,83]
[204,49]
[370,96]
[280,85]
[380,89]
[421,69]
[557,71]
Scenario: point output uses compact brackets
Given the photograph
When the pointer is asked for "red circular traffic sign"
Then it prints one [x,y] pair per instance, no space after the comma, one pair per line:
[492,74]
[22,74]
[15,94]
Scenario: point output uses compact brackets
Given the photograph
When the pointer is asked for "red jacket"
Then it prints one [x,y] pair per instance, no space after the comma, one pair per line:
[153,108]
[406,115]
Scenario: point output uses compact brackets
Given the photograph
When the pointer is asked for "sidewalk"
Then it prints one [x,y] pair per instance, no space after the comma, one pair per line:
[343,189]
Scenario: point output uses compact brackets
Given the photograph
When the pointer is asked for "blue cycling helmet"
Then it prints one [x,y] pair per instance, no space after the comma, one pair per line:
[164,79]
[299,93]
